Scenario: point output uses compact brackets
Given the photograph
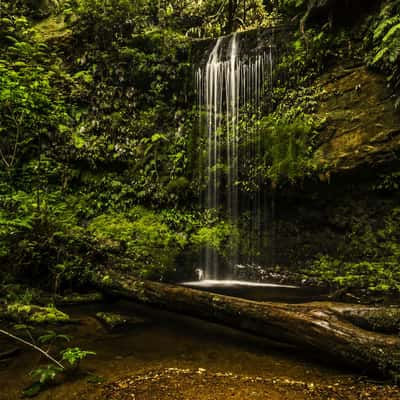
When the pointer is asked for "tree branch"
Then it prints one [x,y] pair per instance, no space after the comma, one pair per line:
[18,339]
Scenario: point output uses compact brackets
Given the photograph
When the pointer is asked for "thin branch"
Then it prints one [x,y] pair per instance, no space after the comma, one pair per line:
[18,128]
[34,347]
[4,159]
[219,12]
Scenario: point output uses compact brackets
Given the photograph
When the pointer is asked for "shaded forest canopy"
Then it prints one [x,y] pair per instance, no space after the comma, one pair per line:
[99,140]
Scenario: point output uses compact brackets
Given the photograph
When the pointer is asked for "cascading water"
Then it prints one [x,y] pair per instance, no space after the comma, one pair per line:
[232,82]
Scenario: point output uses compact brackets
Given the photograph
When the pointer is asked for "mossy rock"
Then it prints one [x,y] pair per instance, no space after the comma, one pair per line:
[114,320]
[26,313]
[111,320]
[362,124]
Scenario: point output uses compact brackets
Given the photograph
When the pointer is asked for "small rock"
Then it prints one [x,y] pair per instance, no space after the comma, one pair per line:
[111,320]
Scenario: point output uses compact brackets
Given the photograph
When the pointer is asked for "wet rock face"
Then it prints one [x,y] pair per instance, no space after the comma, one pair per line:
[359,144]
[361,125]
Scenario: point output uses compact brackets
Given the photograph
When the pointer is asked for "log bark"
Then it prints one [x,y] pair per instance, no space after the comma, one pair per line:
[326,329]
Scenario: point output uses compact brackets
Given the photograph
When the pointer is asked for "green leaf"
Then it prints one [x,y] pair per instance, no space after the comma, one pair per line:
[75,354]
[380,55]
[32,390]
[158,137]
[45,374]
[392,31]
[78,141]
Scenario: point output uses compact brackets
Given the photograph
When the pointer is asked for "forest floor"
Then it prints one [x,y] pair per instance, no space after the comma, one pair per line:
[186,384]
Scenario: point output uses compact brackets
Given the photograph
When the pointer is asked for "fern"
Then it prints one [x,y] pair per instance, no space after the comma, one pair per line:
[392,31]
[380,55]
[386,44]
[385,25]
[394,52]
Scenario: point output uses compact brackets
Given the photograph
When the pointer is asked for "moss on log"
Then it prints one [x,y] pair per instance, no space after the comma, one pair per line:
[32,314]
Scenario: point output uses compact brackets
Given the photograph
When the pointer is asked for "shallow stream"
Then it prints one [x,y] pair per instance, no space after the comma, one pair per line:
[161,355]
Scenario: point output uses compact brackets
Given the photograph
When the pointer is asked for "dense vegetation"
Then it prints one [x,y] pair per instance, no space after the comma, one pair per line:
[99,135]
[102,156]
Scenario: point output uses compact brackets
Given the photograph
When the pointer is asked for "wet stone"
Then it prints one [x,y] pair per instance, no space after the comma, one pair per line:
[114,321]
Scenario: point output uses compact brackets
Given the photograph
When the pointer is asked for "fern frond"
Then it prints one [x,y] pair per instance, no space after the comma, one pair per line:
[380,55]
[385,25]
[394,53]
[392,31]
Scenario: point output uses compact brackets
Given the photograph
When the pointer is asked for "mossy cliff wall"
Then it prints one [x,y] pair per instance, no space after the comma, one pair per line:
[342,220]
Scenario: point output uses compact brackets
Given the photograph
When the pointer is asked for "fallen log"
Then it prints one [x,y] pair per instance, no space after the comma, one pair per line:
[323,328]
[376,319]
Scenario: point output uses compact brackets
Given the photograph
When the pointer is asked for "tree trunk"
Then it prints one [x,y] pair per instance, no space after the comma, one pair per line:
[326,329]
[232,7]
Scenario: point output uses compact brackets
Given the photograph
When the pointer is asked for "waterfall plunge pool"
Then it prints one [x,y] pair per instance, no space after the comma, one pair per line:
[259,291]
[166,356]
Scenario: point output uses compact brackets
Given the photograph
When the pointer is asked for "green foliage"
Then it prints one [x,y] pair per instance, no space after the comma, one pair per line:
[133,95]
[42,229]
[25,330]
[43,376]
[17,8]
[100,121]
[285,148]
[204,18]
[52,337]
[111,22]
[74,355]
[388,183]
[108,127]
[309,54]
[88,135]
[369,257]
[139,240]
[216,17]
[221,236]
[384,43]
[35,314]
[373,276]
[111,320]
[27,297]
[290,145]
[32,110]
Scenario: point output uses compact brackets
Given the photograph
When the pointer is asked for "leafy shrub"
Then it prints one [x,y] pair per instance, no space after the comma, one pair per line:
[285,150]
[74,355]
[44,376]
[41,236]
[374,276]
[385,42]
[139,240]
[370,257]
[222,237]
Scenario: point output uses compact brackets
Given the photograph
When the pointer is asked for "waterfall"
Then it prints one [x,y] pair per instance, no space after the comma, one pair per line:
[232,81]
